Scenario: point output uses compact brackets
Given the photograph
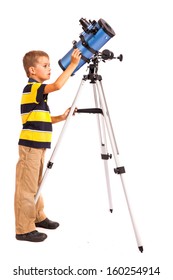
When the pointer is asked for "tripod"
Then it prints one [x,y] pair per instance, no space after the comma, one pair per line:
[104,124]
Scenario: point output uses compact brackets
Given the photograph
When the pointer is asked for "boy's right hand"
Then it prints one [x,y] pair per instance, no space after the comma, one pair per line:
[75,56]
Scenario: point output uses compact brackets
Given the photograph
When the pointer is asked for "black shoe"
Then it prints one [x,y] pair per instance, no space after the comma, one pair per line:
[33,236]
[47,224]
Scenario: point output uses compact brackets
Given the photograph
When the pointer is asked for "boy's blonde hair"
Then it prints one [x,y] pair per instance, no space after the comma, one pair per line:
[31,58]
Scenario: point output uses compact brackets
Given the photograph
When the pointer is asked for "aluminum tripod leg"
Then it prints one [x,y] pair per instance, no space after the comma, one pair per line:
[119,169]
[103,143]
[51,161]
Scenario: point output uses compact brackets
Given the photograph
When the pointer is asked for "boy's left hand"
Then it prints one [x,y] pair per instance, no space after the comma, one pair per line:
[66,113]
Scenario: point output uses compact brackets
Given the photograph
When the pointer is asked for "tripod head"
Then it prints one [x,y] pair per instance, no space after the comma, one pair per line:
[94,63]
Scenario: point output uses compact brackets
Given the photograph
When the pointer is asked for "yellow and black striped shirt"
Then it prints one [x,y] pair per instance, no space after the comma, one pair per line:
[36,119]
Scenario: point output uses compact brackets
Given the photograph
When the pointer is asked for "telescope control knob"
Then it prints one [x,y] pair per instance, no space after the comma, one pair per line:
[74,44]
[120,57]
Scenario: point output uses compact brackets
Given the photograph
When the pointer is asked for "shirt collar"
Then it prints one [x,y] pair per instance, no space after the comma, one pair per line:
[31,80]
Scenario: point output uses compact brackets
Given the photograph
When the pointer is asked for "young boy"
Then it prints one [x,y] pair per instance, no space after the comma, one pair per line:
[34,139]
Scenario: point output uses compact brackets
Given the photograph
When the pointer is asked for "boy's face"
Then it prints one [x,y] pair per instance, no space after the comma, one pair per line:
[41,71]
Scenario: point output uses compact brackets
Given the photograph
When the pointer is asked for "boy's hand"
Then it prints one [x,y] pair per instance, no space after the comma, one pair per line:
[75,56]
[66,113]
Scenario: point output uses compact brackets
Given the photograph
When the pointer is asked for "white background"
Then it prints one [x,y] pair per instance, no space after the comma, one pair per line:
[138,92]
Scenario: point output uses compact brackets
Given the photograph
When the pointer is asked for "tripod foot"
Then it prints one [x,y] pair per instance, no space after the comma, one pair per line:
[140,248]
[111,210]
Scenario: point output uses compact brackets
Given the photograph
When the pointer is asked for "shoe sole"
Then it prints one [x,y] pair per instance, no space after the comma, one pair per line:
[31,240]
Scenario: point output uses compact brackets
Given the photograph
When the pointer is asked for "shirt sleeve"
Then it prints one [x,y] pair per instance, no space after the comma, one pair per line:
[40,93]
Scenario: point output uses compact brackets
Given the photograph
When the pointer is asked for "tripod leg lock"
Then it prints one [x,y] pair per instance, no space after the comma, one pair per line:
[106,156]
[119,170]
[50,164]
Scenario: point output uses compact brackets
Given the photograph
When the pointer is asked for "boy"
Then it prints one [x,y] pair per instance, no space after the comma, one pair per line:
[34,139]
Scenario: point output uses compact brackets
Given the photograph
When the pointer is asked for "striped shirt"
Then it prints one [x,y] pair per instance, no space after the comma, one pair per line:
[36,119]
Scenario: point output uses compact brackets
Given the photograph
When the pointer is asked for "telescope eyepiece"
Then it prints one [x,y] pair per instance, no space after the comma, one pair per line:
[85,24]
[88,26]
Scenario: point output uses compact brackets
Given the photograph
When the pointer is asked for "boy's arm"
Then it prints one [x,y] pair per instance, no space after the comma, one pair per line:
[56,119]
[61,80]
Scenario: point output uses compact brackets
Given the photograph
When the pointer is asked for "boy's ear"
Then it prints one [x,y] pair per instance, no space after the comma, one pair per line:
[32,70]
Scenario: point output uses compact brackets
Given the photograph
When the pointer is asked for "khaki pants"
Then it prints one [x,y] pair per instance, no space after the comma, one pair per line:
[28,177]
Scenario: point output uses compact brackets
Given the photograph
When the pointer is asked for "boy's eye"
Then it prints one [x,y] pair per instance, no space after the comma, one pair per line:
[44,65]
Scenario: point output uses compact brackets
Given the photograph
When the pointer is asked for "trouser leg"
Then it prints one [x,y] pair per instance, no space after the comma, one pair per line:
[40,216]
[28,175]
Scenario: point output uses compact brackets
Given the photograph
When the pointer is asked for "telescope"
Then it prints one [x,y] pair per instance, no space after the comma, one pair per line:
[92,39]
